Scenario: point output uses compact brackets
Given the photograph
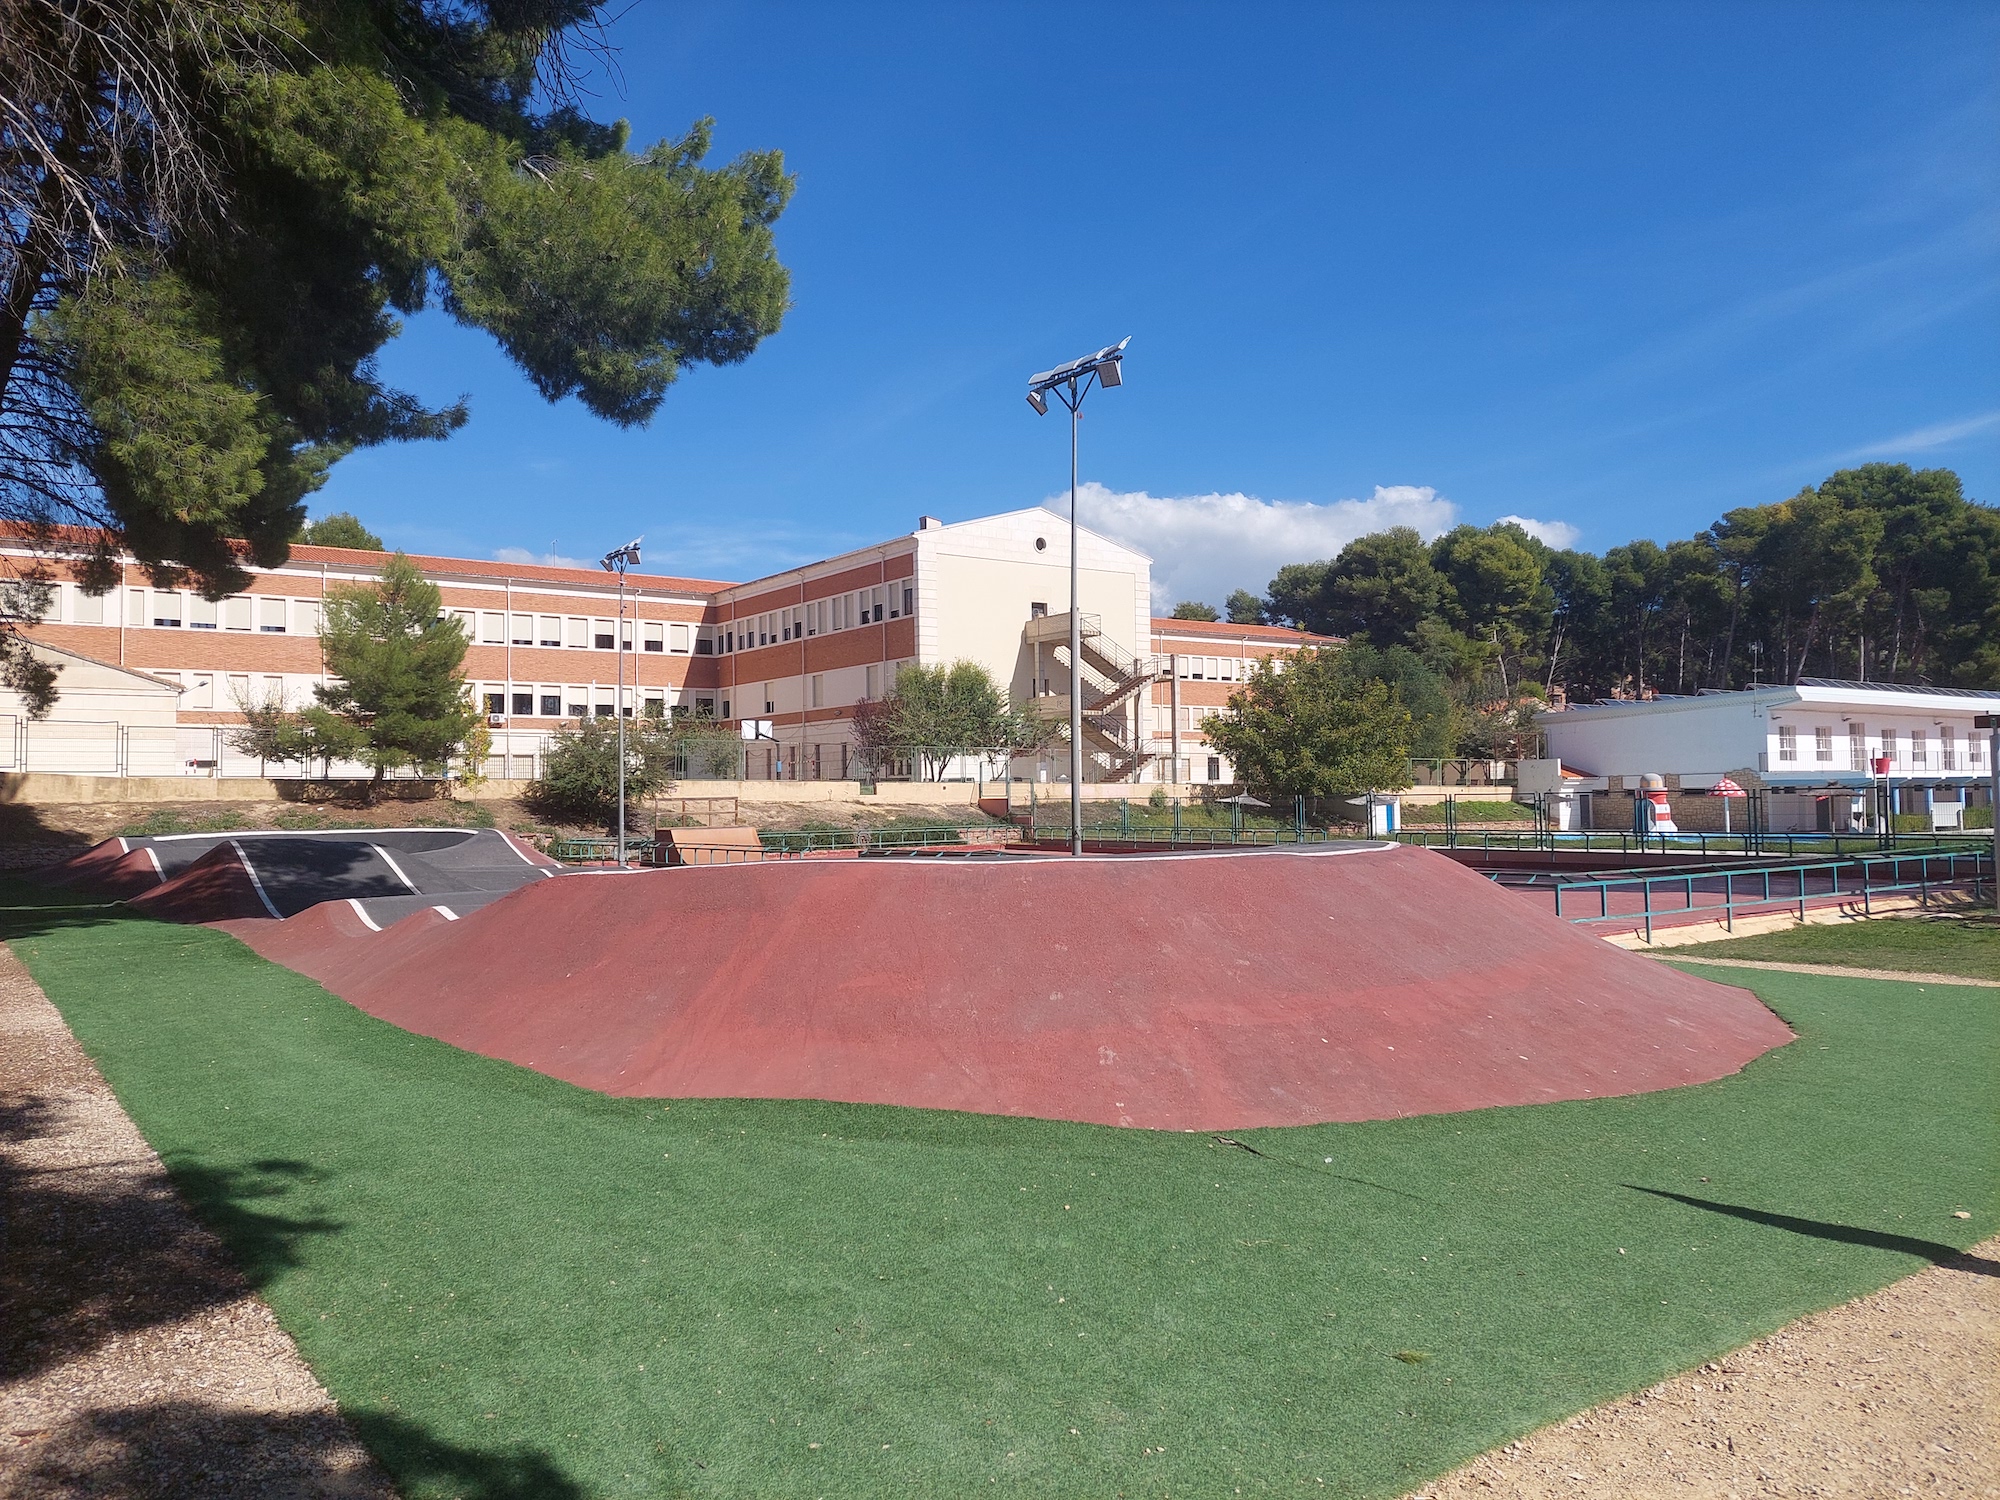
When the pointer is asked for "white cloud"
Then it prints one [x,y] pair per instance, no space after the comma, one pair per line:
[543,559]
[1924,439]
[1557,534]
[1206,546]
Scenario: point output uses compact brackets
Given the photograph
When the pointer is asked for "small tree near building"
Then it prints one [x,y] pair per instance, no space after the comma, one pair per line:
[935,715]
[1192,609]
[400,687]
[1315,729]
[579,780]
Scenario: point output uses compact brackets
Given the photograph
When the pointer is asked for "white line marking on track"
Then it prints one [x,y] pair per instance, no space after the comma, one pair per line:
[362,913]
[155,858]
[124,847]
[449,914]
[390,860]
[251,870]
[508,839]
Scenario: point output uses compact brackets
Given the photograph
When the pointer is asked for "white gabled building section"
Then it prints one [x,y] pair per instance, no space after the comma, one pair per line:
[1821,745]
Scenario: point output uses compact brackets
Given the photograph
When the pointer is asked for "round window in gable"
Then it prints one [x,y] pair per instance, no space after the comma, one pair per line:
[1041,544]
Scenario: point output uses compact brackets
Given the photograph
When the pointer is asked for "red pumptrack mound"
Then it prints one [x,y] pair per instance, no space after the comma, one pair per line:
[214,888]
[110,868]
[1199,992]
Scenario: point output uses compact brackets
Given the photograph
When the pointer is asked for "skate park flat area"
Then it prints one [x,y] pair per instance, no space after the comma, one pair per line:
[590,1295]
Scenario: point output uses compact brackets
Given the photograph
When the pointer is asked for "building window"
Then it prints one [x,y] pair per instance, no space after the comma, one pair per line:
[704,645]
[523,631]
[1889,750]
[201,613]
[871,680]
[604,710]
[271,616]
[524,703]
[1215,768]
[1919,750]
[552,705]
[89,608]
[654,635]
[725,708]
[167,610]
[576,633]
[201,691]
[1038,610]
[578,710]
[496,703]
[677,640]
[818,691]
[1788,742]
[1823,744]
[705,707]
[1947,749]
[548,630]
[602,636]
[135,607]
[1857,747]
[492,628]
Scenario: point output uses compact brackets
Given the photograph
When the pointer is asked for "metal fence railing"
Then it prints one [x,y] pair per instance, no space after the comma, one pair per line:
[1721,893]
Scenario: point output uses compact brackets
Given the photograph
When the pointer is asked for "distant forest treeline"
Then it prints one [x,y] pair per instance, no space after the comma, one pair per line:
[1882,572]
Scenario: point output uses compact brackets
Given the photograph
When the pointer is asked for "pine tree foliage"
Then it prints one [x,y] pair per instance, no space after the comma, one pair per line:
[1881,573]
[341,529]
[214,212]
[398,697]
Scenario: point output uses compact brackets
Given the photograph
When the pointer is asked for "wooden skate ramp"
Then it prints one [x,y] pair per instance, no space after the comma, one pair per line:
[1183,992]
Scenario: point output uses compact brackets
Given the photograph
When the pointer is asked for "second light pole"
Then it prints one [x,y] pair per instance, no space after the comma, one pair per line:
[1071,383]
[617,562]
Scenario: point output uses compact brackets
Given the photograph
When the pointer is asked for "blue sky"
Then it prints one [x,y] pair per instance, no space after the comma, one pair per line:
[1611,268]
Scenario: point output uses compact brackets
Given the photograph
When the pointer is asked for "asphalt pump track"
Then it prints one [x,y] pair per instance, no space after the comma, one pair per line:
[1185,992]
[382,875]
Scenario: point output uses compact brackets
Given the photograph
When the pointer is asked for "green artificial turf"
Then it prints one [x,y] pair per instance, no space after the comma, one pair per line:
[1919,945]
[517,1288]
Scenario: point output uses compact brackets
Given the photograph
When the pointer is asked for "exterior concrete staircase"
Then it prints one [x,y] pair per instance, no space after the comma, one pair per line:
[1115,695]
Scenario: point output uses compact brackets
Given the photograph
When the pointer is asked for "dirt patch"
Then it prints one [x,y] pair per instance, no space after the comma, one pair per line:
[135,1360]
[1839,971]
[1895,1394]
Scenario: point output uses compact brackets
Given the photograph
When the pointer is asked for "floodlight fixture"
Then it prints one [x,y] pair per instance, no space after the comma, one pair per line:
[1072,380]
[625,557]
[1071,383]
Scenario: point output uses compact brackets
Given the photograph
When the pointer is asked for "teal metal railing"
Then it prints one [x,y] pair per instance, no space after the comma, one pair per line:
[1863,878]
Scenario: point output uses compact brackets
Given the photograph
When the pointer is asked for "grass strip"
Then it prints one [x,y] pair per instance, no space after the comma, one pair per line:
[1917,945]
[517,1287]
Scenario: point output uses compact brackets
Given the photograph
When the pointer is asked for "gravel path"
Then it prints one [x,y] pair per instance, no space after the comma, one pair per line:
[134,1359]
[1895,1394]
[1841,971]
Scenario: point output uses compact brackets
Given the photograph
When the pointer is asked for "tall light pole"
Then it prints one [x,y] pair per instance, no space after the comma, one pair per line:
[617,562]
[1071,383]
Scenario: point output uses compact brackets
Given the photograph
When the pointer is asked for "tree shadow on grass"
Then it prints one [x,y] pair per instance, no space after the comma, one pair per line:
[97,1249]
[1934,1251]
[29,908]
[172,1449]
